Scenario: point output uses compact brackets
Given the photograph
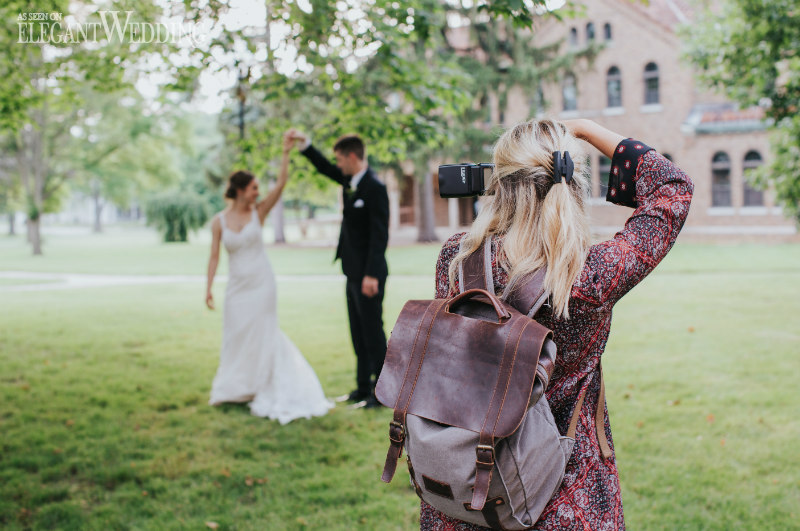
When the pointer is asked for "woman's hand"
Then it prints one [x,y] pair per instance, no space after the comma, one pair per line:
[576,127]
[209,300]
[288,141]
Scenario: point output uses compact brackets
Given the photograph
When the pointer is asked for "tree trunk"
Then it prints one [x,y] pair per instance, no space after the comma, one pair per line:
[427,222]
[277,222]
[98,211]
[35,236]
[11,219]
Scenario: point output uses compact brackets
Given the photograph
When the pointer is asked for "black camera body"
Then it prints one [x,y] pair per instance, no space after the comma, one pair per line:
[464,180]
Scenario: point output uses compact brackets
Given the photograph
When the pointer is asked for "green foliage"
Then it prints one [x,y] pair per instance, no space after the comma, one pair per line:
[177,213]
[748,50]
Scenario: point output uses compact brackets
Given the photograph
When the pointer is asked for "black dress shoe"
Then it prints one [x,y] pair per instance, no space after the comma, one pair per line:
[372,402]
[355,396]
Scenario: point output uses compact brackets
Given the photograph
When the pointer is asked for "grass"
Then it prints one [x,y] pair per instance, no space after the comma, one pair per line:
[103,392]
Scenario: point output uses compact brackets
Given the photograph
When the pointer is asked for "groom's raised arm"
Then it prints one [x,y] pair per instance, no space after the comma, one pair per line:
[324,166]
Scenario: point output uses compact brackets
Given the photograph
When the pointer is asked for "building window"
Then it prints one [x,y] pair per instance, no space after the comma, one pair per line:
[607,31]
[589,32]
[651,84]
[605,169]
[614,87]
[536,102]
[752,197]
[573,37]
[721,180]
[570,93]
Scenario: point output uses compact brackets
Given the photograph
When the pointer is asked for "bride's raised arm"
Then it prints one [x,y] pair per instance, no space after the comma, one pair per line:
[265,205]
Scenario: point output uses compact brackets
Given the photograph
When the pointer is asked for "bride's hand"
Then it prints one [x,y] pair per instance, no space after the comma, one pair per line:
[288,141]
[210,301]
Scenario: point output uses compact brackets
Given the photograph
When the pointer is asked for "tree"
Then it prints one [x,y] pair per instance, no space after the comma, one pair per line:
[749,50]
[45,78]
[124,149]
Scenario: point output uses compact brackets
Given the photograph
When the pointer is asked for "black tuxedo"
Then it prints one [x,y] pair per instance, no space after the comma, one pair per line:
[362,249]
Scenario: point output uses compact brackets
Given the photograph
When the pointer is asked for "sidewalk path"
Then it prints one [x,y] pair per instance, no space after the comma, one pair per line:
[62,281]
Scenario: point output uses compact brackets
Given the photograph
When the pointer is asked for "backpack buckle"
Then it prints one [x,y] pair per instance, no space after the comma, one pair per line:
[484,456]
[397,433]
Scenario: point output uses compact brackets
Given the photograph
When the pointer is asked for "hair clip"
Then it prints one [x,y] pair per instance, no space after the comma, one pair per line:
[562,167]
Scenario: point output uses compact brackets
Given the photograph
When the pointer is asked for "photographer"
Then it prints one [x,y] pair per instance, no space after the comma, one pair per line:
[535,216]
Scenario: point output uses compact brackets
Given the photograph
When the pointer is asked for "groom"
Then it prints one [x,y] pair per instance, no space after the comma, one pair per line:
[362,248]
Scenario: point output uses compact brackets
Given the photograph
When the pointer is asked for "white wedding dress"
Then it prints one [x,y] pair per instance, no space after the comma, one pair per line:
[258,363]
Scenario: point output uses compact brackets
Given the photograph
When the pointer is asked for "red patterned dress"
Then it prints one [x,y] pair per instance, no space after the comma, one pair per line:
[589,497]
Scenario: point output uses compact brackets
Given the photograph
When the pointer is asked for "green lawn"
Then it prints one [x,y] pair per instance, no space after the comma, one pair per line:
[105,426]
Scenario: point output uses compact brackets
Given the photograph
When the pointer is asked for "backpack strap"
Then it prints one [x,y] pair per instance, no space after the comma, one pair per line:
[485,451]
[600,425]
[475,271]
[528,293]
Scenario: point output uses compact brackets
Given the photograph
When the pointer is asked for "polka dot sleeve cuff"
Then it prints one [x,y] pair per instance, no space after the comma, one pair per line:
[622,178]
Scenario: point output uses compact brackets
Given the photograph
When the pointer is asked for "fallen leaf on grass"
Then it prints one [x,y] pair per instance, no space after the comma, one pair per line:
[691,329]
[673,402]
[302,521]
[69,423]
[225,472]
[710,419]
[212,525]
[57,450]
[25,387]
[640,424]
[261,481]
[144,493]
[248,481]
[722,442]
[47,362]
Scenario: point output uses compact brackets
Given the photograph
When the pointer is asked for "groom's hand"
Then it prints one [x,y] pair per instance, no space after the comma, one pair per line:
[369,286]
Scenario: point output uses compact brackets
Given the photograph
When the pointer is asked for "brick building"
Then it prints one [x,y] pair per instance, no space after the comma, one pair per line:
[639,86]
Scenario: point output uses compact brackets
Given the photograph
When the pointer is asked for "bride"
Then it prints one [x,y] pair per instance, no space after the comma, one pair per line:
[258,363]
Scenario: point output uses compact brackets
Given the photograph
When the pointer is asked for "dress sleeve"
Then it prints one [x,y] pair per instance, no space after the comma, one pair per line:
[660,193]
[446,255]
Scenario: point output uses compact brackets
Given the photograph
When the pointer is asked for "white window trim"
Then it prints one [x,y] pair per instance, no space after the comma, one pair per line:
[613,111]
[651,107]
[754,211]
[721,211]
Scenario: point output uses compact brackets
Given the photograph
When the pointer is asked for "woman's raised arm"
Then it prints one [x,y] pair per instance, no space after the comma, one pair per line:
[265,205]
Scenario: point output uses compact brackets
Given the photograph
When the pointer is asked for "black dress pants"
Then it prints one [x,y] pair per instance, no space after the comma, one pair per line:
[366,331]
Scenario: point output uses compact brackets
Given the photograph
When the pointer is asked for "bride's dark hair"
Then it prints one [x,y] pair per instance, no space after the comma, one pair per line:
[238,180]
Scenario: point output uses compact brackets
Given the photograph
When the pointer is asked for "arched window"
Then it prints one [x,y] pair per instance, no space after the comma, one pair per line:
[589,32]
[536,101]
[752,197]
[573,37]
[604,169]
[570,93]
[651,84]
[721,180]
[607,31]
[614,87]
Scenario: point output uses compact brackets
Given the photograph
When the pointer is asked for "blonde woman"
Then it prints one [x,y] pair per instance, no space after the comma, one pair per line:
[532,220]
[258,363]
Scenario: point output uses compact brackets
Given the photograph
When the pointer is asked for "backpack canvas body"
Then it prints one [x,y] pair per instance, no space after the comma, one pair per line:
[529,467]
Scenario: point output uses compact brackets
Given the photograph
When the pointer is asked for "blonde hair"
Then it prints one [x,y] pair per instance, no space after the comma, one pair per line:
[543,224]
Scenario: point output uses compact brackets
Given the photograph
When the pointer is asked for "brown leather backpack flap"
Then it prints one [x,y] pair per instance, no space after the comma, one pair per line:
[398,354]
[463,372]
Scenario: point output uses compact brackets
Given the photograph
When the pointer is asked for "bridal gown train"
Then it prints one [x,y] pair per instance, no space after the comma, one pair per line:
[258,362]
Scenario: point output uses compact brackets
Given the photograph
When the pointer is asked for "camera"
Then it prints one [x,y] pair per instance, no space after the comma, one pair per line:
[464,180]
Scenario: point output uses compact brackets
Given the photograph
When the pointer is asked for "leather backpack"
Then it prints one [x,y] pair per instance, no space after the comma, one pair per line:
[466,378]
